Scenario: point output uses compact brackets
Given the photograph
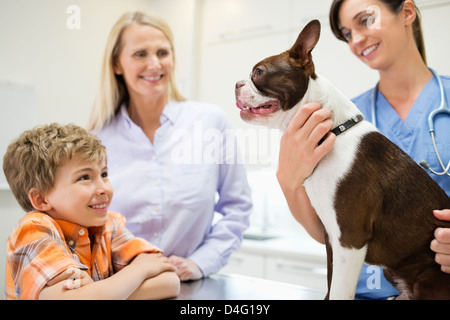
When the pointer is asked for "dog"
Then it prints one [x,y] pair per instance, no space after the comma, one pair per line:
[374,201]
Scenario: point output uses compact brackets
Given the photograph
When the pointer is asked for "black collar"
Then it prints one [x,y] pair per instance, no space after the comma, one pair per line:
[348,124]
[345,126]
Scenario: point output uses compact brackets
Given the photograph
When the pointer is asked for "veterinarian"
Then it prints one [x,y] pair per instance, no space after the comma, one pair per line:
[389,40]
[155,140]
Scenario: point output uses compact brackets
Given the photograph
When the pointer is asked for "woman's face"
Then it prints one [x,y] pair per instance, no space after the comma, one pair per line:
[146,61]
[374,34]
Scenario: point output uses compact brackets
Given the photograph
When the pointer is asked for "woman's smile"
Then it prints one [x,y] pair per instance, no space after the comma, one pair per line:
[369,51]
[152,78]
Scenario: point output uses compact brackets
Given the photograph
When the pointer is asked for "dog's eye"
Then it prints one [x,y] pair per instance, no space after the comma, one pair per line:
[258,72]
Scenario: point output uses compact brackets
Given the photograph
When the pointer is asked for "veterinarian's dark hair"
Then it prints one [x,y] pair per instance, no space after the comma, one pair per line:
[395,6]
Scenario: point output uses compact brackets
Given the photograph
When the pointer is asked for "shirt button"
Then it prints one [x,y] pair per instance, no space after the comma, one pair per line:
[157,209]
[155,235]
[81,232]
[71,243]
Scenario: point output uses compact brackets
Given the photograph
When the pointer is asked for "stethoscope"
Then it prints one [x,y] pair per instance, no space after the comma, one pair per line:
[443,109]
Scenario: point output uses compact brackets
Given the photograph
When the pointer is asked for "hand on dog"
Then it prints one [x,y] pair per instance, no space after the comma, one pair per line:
[441,242]
[299,150]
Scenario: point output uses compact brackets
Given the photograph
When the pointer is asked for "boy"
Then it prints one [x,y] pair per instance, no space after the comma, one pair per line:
[68,239]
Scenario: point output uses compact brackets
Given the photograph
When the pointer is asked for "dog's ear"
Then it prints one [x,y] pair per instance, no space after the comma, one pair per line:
[306,41]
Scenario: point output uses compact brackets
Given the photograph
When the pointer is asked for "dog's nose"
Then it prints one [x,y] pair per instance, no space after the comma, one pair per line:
[240,84]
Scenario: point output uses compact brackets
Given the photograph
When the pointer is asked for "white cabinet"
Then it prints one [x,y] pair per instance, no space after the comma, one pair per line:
[305,11]
[246,264]
[235,19]
[291,260]
[308,273]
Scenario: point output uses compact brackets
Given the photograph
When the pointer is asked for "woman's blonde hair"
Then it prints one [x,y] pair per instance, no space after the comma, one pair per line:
[32,159]
[112,91]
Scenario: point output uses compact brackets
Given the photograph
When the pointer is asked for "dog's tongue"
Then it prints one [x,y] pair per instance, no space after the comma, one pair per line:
[240,105]
[264,109]
[261,110]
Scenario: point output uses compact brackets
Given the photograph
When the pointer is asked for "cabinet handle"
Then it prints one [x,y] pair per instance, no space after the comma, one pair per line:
[236,260]
[299,268]
[245,32]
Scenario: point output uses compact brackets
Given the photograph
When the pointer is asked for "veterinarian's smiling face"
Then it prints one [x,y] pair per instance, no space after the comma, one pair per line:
[375,34]
[146,61]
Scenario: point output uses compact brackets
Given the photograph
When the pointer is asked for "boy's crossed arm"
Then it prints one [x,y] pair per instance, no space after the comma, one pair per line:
[148,276]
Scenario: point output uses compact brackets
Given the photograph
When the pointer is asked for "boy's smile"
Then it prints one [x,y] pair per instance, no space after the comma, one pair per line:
[81,193]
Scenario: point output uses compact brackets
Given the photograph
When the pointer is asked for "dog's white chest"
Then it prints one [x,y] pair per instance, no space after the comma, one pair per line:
[321,186]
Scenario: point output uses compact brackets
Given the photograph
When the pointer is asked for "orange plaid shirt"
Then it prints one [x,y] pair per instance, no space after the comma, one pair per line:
[41,247]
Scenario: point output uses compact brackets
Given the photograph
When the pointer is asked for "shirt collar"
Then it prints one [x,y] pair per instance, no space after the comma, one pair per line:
[72,231]
[170,113]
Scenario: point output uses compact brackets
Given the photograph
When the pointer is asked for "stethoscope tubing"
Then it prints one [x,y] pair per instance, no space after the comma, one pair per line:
[442,109]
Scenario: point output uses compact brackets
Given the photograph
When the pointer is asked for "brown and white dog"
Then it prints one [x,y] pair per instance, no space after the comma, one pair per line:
[374,201]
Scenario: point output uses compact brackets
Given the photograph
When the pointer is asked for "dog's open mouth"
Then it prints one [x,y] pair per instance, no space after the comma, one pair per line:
[266,108]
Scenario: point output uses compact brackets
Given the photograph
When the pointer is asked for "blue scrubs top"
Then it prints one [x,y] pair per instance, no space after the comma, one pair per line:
[413,136]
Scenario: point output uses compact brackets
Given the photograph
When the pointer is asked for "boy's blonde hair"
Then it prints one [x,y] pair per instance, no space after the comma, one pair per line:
[112,91]
[32,159]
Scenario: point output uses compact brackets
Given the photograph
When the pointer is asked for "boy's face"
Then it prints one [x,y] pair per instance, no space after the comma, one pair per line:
[81,193]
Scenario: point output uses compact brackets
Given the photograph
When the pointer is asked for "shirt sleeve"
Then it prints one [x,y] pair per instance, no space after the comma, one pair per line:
[35,255]
[125,247]
[235,206]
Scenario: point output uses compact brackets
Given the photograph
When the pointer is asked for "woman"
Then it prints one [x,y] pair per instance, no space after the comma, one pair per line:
[386,35]
[168,157]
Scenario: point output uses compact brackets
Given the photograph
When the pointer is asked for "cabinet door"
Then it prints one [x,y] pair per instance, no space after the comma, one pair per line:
[304,11]
[233,19]
[246,264]
[308,273]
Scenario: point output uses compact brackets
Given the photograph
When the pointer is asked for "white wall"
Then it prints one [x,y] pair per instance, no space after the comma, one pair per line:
[217,43]
[60,65]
